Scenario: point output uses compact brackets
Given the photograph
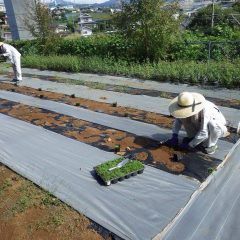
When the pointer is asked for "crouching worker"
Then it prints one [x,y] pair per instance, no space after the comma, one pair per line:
[14,57]
[201,119]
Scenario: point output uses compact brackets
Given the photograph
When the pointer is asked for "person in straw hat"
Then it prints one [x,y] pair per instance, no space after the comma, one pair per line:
[14,57]
[201,119]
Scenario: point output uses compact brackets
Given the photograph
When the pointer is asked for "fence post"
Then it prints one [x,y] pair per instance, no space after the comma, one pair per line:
[209,50]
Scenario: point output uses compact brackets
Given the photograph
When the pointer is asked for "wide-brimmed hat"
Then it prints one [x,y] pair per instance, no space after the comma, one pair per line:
[186,104]
[1,43]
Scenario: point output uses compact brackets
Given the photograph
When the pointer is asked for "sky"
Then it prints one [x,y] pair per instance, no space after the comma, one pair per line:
[83,1]
[78,1]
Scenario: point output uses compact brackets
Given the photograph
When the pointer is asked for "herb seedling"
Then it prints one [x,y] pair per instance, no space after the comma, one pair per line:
[118,169]
[116,148]
[114,104]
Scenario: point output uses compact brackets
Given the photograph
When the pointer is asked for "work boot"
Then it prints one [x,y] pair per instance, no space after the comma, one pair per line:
[210,150]
[14,80]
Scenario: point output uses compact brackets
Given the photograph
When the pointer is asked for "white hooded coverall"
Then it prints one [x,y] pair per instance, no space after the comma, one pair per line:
[205,127]
[14,57]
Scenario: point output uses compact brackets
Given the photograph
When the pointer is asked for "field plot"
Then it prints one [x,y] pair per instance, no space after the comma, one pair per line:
[55,139]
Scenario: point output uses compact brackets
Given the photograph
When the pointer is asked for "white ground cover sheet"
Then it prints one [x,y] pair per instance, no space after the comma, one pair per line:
[137,208]
[214,211]
[120,123]
[143,102]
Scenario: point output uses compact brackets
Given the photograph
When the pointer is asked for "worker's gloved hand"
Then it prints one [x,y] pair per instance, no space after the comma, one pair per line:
[185,144]
[172,142]
[186,140]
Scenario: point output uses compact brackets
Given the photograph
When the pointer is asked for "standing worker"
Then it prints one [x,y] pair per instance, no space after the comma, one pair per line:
[14,57]
[201,119]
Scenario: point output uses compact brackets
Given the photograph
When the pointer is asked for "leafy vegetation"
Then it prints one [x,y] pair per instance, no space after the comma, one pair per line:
[149,26]
[38,20]
[150,45]
[223,73]
[130,167]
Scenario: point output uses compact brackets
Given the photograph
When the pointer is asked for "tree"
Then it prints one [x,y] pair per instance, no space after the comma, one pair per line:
[224,18]
[38,20]
[150,26]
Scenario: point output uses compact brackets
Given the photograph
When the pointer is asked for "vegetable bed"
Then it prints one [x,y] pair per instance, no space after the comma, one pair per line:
[131,168]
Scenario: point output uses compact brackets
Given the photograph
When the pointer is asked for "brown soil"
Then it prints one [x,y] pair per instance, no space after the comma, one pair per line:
[233,103]
[28,212]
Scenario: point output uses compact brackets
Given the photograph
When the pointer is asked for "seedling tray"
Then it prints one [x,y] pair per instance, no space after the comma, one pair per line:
[131,168]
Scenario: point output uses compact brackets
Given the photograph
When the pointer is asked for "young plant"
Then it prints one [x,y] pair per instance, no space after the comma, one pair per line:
[131,167]
[114,104]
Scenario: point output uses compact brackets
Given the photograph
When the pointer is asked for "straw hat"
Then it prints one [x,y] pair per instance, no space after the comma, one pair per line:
[1,43]
[186,104]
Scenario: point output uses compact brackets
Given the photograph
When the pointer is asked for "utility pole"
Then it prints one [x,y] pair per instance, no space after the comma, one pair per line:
[213,12]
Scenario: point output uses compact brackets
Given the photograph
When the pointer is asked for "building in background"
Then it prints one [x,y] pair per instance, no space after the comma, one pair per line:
[16,10]
[86,24]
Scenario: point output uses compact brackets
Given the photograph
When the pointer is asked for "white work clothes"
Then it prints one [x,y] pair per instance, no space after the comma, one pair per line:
[14,57]
[205,127]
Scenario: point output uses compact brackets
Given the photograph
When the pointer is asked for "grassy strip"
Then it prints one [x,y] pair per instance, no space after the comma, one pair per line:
[130,167]
[223,73]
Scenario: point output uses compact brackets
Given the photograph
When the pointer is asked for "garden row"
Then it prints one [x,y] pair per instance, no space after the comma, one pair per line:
[221,73]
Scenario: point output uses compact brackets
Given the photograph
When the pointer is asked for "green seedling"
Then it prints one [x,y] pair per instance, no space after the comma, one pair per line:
[125,114]
[109,170]
[116,148]
[114,104]
[210,170]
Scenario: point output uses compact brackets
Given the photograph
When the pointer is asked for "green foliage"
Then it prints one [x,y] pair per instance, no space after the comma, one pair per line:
[38,20]
[222,19]
[225,73]
[195,46]
[7,183]
[236,6]
[149,26]
[130,167]
[49,200]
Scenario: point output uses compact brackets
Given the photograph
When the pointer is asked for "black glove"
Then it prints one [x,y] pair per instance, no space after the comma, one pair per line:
[185,144]
[172,142]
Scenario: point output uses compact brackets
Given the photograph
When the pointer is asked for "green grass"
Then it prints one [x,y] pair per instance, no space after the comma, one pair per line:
[101,16]
[7,183]
[103,169]
[222,73]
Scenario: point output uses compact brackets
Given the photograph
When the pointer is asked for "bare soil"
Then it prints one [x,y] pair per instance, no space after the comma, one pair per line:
[28,212]
[233,103]
[132,113]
